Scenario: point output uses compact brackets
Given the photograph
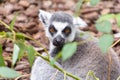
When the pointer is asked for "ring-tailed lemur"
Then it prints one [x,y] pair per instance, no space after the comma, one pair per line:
[62,28]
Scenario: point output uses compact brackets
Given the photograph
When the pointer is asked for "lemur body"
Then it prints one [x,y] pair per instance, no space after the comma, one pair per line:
[61,29]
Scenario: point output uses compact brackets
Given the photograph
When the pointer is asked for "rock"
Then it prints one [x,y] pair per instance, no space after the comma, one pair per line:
[13,1]
[46,4]
[116,10]
[20,25]
[22,18]
[70,4]
[24,3]
[3,11]
[30,25]
[107,4]
[8,49]
[60,6]
[9,7]
[1,17]
[17,7]
[89,9]
[57,1]
[69,12]
[10,17]
[21,67]
[6,21]
[105,11]
[32,11]
[38,35]
[2,40]
[91,16]
[87,21]
[117,35]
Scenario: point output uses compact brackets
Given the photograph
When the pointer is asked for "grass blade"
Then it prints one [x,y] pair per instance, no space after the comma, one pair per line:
[13,22]
[2,63]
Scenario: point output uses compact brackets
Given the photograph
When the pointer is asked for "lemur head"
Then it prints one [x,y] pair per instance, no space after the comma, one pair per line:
[60,27]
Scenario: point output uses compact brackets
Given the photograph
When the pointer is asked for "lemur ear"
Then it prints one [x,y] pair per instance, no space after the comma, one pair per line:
[44,17]
[78,22]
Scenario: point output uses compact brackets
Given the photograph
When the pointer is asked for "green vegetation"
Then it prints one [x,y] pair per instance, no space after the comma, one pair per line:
[21,47]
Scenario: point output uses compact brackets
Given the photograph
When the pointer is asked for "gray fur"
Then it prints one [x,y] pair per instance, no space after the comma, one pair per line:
[61,17]
[87,57]
[41,70]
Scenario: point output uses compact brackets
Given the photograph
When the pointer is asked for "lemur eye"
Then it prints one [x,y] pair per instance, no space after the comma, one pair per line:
[52,29]
[67,31]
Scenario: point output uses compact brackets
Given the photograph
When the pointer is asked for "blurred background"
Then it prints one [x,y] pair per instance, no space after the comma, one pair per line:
[27,22]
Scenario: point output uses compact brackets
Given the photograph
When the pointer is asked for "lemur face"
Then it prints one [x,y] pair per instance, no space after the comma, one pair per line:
[60,33]
[60,27]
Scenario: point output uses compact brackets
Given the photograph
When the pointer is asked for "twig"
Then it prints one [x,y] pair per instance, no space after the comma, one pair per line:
[14,34]
[22,76]
[91,73]
[115,43]
[60,69]
[118,78]
[54,74]
[78,6]
[5,24]
[64,75]
[109,65]
[37,43]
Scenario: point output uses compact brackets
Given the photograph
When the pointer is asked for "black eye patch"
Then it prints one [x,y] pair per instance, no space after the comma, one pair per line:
[52,30]
[66,31]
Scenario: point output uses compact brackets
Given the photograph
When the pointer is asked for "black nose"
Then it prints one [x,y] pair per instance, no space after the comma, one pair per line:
[58,41]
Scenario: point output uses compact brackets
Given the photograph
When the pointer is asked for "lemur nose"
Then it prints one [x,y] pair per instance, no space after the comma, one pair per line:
[58,41]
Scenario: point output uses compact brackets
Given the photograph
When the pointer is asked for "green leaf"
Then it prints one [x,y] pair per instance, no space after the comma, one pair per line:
[18,53]
[31,54]
[15,55]
[2,34]
[9,34]
[58,56]
[94,2]
[106,17]
[118,19]
[22,49]
[2,63]
[13,22]
[20,36]
[68,50]
[105,42]
[78,6]
[52,61]
[8,73]
[104,27]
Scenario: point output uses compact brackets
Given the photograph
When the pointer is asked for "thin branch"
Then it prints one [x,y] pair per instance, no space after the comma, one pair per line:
[38,43]
[118,78]
[5,24]
[109,65]
[64,75]
[58,68]
[115,43]
[14,34]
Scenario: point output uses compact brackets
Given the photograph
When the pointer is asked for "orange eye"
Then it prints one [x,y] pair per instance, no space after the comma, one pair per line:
[52,30]
[67,30]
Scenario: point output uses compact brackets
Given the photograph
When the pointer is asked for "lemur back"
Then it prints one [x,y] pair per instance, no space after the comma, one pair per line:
[87,57]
